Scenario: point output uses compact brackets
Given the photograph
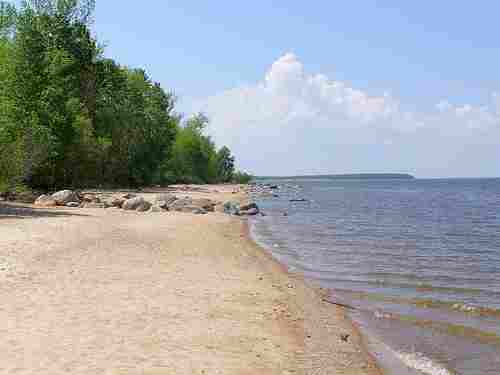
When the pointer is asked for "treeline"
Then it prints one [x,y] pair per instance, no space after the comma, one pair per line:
[71,117]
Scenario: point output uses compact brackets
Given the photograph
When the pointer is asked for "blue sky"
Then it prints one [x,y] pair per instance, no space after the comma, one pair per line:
[408,47]
[327,86]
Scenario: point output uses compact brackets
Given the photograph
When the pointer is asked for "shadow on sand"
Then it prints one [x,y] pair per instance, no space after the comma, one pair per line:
[19,211]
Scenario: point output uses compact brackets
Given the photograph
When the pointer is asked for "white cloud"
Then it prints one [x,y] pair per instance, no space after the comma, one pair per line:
[294,122]
[496,102]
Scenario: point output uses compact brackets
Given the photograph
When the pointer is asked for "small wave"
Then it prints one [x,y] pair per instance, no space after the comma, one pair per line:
[456,306]
[418,361]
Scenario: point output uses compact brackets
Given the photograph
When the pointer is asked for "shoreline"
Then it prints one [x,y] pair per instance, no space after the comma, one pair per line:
[92,291]
[320,293]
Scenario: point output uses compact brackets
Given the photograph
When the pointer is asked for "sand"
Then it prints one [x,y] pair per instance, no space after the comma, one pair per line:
[103,291]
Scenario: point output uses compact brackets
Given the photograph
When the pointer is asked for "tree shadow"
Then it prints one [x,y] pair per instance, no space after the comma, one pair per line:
[10,210]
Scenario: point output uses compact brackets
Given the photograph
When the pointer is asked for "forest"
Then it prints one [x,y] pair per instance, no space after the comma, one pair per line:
[71,117]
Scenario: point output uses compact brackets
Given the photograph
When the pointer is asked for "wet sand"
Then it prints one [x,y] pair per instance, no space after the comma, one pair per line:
[103,291]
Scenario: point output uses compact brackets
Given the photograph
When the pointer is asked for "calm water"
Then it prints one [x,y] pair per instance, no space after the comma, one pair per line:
[419,259]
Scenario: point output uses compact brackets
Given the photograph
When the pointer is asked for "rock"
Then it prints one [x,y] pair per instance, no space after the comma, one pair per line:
[65,196]
[206,204]
[133,203]
[232,208]
[73,204]
[250,212]
[116,201]
[45,201]
[26,197]
[248,206]
[178,204]
[143,207]
[91,198]
[162,204]
[165,200]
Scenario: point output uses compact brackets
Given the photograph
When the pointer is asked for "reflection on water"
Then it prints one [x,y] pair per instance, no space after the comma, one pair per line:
[420,259]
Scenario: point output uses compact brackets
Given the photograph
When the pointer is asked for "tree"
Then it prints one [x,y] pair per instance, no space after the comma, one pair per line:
[70,117]
[7,19]
[225,165]
[52,53]
[242,178]
[74,11]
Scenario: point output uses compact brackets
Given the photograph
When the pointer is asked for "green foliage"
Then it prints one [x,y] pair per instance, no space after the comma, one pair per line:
[225,165]
[192,152]
[194,157]
[70,117]
[242,178]
[7,19]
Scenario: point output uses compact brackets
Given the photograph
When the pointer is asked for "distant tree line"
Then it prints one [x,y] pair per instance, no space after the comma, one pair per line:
[71,117]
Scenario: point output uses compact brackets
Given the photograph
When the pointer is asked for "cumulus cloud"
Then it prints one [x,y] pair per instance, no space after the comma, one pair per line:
[293,122]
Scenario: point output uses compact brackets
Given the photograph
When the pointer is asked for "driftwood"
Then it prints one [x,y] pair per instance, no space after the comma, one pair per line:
[339,304]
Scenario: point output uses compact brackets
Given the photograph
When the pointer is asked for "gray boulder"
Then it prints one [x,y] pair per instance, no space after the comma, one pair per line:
[65,196]
[249,206]
[206,204]
[26,197]
[45,201]
[91,198]
[165,200]
[133,203]
[232,208]
[251,212]
[116,201]
[179,204]
[143,207]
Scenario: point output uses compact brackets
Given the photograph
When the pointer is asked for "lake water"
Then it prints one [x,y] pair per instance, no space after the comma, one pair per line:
[418,259]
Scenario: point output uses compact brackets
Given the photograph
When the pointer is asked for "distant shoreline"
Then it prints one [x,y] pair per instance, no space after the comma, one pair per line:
[352,176]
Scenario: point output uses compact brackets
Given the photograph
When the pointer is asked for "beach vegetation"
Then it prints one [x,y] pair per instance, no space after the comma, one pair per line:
[71,117]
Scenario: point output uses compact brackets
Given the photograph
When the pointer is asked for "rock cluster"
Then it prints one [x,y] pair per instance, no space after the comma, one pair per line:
[45,201]
[22,197]
[127,202]
[61,198]
[241,209]
[130,202]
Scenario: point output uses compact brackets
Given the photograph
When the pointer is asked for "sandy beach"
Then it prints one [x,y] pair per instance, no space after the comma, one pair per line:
[103,291]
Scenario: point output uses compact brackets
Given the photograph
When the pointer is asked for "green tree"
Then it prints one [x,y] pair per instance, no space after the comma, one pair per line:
[242,177]
[193,154]
[225,165]
[7,19]
[135,125]
[70,117]
[52,52]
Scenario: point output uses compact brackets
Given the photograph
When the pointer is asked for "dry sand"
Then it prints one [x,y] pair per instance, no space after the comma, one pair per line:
[94,291]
